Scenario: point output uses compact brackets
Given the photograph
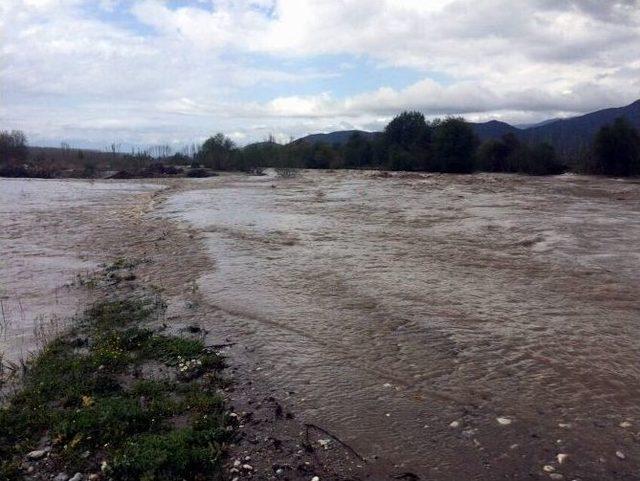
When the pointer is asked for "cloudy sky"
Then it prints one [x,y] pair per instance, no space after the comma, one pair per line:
[92,72]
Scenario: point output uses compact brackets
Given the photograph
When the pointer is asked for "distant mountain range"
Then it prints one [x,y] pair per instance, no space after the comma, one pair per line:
[539,124]
[340,137]
[564,134]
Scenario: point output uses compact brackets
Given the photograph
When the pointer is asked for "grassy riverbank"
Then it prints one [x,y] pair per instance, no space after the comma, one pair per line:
[114,399]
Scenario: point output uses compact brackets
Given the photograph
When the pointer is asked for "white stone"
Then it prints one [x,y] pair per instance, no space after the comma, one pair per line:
[38,454]
[620,455]
[562,458]
[548,468]
[504,421]
[324,443]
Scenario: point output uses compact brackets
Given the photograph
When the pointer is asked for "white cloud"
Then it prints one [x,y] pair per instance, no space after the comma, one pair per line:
[67,72]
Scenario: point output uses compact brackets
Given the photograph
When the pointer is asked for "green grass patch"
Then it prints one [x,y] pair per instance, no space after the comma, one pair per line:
[82,394]
[185,453]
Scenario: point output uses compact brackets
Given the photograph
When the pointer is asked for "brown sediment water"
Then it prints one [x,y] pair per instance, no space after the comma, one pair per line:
[459,327]
[47,228]
[455,327]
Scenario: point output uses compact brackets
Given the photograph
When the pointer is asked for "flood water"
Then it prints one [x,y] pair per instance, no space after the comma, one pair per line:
[45,226]
[388,308]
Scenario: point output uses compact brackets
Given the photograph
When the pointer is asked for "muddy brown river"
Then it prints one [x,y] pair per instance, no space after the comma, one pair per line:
[453,327]
[45,226]
[470,327]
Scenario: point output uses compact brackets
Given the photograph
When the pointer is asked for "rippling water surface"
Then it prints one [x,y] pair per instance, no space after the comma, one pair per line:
[391,307]
[42,225]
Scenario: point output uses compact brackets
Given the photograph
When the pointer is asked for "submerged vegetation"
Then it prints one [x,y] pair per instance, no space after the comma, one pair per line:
[118,400]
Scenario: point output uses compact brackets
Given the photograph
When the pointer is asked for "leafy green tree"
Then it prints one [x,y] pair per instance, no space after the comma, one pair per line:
[407,130]
[617,149]
[406,142]
[493,156]
[217,153]
[358,152]
[322,156]
[254,158]
[542,160]
[454,145]
[401,159]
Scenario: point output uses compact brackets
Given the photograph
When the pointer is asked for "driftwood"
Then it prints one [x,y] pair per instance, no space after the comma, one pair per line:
[221,346]
[344,444]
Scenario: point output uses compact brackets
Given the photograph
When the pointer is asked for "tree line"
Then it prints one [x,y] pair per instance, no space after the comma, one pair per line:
[411,143]
[408,143]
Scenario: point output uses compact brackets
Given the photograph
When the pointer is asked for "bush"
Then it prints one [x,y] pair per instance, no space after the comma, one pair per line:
[200,173]
[286,172]
[542,160]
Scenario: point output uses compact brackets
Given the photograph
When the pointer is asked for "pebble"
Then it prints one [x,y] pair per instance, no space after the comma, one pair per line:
[38,454]
[236,463]
[455,424]
[556,476]
[61,477]
[504,421]
[625,424]
[94,477]
[247,467]
[279,471]
[620,455]
[562,458]
[315,478]
[548,468]
[324,443]
[77,477]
